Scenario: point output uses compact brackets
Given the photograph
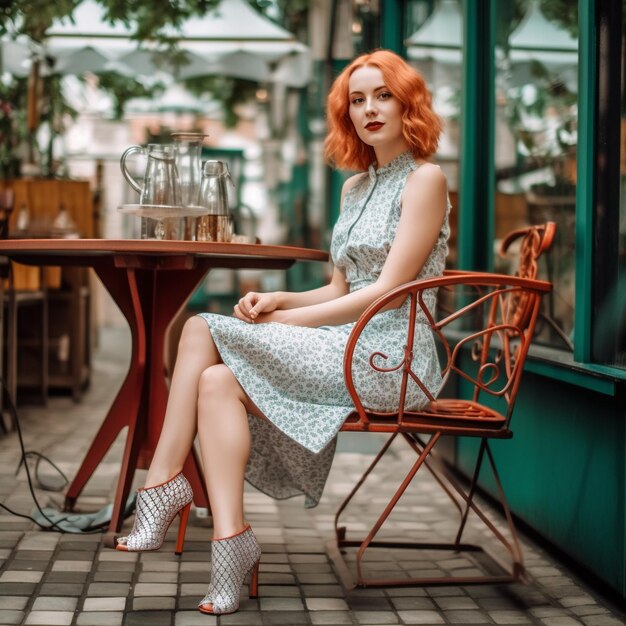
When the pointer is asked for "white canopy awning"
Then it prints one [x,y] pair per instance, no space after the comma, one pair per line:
[232,40]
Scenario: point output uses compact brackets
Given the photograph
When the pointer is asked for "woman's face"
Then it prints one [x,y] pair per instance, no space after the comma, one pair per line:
[374,111]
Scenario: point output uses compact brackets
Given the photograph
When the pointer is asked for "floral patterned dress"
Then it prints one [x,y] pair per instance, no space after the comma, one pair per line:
[294,374]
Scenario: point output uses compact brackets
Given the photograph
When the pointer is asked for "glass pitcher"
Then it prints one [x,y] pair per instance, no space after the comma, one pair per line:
[216,225]
[188,149]
[160,188]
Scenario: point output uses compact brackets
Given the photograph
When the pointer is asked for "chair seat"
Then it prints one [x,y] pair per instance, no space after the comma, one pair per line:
[448,416]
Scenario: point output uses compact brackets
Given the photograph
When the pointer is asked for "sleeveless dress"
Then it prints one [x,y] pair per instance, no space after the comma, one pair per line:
[294,374]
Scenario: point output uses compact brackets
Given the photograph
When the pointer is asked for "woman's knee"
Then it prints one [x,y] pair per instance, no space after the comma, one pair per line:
[195,335]
[216,383]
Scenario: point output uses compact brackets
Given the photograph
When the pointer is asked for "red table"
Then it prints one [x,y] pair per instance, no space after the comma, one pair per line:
[150,281]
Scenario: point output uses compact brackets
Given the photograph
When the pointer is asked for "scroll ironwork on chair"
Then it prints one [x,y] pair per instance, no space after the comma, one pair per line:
[483,332]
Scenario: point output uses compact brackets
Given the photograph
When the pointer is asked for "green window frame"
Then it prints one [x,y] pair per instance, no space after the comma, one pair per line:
[477,215]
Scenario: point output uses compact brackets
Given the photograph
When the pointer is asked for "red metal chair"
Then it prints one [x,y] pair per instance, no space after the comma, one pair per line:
[483,336]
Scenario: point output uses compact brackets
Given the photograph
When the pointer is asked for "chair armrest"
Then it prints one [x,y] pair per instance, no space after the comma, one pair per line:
[492,300]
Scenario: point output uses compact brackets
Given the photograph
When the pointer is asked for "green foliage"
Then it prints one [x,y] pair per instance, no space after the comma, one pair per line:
[508,17]
[562,12]
[12,126]
[33,17]
[55,109]
[151,21]
[290,14]
[124,88]
[230,92]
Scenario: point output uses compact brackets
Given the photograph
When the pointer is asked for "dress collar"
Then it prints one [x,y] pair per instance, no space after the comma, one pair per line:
[404,158]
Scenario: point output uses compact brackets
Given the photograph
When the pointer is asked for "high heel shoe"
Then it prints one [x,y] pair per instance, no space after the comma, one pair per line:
[231,559]
[156,508]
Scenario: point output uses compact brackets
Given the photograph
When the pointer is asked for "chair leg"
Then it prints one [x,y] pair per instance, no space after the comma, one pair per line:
[470,495]
[44,349]
[340,531]
[503,573]
[518,558]
[368,541]
[12,348]
[418,447]
[513,546]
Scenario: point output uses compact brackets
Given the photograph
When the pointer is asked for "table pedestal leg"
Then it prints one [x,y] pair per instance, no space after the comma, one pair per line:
[149,300]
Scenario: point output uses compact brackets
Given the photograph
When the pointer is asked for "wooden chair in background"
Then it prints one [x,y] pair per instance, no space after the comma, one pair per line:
[483,336]
[12,300]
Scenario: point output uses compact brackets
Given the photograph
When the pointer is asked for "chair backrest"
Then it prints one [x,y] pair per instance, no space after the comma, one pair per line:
[478,339]
[483,335]
[535,240]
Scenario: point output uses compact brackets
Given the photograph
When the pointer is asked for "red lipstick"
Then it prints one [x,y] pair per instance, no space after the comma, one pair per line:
[373,126]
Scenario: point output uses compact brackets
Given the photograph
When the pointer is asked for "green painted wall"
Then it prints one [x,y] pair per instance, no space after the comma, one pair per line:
[564,471]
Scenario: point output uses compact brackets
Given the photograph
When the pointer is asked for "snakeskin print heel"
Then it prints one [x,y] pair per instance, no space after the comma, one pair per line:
[231,559]
[156,508]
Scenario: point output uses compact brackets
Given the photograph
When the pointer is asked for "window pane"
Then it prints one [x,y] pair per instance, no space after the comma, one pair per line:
[535,142]
[434,47]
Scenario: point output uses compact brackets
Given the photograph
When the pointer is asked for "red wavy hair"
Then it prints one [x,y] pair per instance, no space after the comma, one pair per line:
[421,125]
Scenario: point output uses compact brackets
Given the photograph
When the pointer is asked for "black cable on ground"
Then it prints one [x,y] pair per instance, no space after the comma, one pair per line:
[24,460]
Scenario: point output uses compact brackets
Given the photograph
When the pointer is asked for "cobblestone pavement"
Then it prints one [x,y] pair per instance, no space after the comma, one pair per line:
[48,578]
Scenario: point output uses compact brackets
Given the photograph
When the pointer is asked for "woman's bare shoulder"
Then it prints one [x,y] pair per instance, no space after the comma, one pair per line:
[349,184]
[429,171]
[426,174]
[352,181]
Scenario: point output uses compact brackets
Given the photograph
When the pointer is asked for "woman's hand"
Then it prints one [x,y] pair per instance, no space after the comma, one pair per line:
[253,304]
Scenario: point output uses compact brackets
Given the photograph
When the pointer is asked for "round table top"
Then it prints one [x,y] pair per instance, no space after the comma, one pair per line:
[152,247]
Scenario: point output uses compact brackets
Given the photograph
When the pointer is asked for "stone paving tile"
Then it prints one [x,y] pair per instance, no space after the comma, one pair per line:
[94,618]
[13,602]
[376,617]
[154,603]
[240,619]
[509,617]
[454,602]
[602,620]
[20,577]
[104,604]
[407,604]
[8,616]
[49,579]
[50,618]
[326,604]
[66,577]
[48,603]
[62,589]
[148,618]
[329,618]
[281,604]
[16,589]
[467,617]
[194,618]
[155,589]
[421,617]
[286,618]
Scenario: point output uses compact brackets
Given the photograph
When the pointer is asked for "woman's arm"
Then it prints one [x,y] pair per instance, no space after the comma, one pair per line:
[423,209]
[253,303]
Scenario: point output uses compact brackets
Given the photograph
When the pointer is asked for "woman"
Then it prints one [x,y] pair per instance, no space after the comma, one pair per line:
[264,389]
